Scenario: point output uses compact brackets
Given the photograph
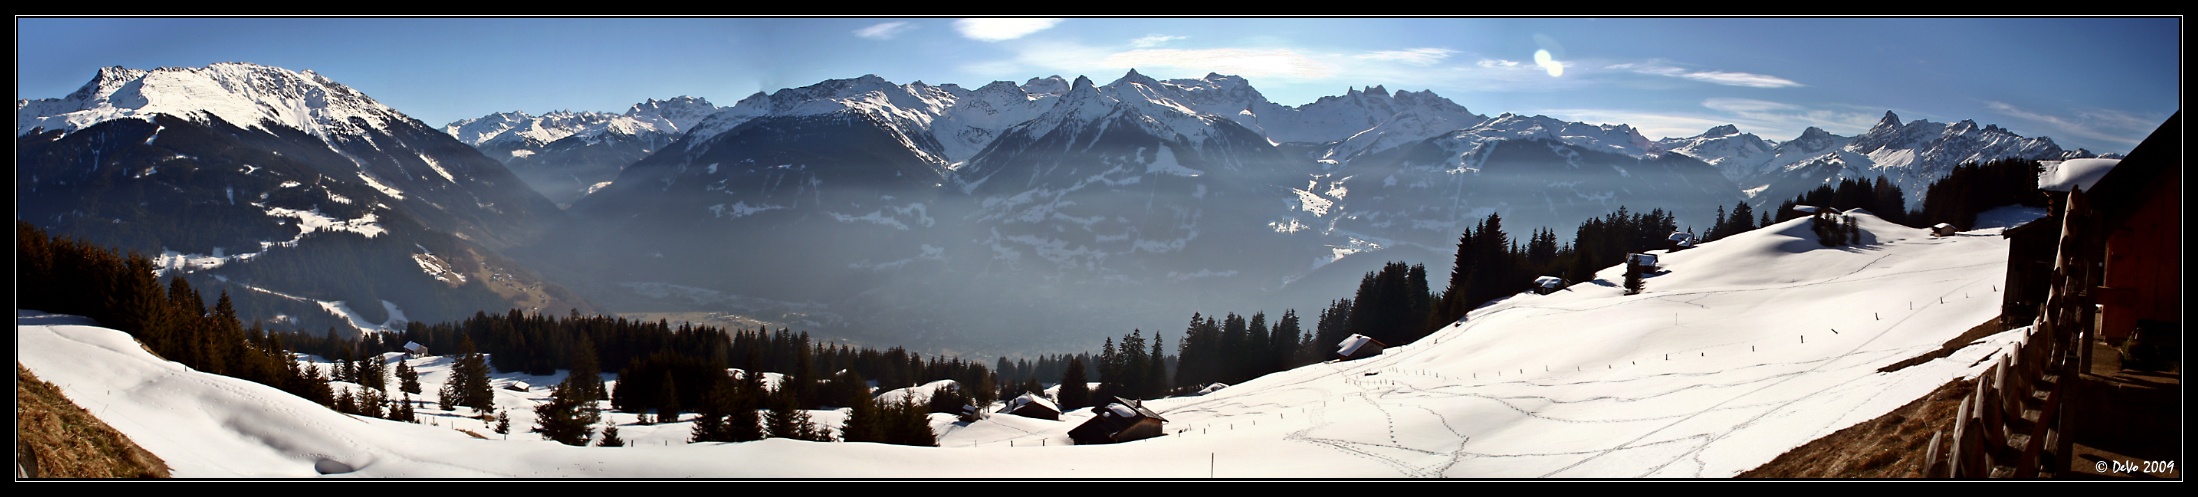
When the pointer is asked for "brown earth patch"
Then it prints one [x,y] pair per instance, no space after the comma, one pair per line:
[57,439]
[1891,446]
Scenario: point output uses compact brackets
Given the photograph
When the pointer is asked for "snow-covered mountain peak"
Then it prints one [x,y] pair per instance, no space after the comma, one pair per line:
[1613,138]
[1889,122]
[681,112]
[1721,131]
[1133,77]
[242,94]
[1049,85]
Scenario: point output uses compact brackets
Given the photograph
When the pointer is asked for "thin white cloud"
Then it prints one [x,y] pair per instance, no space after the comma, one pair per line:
[1237,61]
[1149,41]
[1750,80]
[1002,29]
[1767,119]
[884,30]
[1496,63]
[2098,124]
[1727,78]
[1747,105]
[1419,56]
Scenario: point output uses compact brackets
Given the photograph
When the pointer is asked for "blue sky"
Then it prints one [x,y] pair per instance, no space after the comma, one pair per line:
[2096,83]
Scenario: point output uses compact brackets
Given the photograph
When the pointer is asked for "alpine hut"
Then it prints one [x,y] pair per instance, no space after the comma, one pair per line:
[1358,346]
[1031,405]
[1120,421]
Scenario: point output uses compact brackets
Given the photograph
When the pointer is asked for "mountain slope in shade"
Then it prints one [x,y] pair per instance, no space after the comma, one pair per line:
[319,199]
[1584,383]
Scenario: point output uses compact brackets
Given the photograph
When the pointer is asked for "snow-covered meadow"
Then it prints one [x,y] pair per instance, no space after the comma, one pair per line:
[1737,351]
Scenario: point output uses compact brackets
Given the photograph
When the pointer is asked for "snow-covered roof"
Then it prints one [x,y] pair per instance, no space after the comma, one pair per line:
[1352,343]
[414,346]
[1548,281]
[1031,398]
[2061,176]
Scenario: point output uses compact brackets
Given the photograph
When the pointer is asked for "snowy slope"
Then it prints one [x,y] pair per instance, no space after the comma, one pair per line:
[1744,348]
[242,94]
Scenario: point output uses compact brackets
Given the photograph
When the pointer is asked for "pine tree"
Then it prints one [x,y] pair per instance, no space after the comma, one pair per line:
[1075,390]
[779,421]
[610,437]
[910,424]
[503,423]
[408,379]
[862,423]
[469,379]
[709,425]
[566,418]
[1633,278]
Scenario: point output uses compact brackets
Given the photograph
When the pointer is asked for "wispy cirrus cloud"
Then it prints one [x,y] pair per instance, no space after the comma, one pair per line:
[1764,118]
[1154,40]
[1727,78]
[1002,29]
[2098,124]
[884,30]
[1418,56]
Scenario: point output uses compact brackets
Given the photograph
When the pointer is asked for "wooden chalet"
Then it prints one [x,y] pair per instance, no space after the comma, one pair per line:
[414,349]
[1358,347]
[1680,240]
[1548,284]
[2085,384]
[1031,405]
[2031,246]
[1120,421]
[1943,229]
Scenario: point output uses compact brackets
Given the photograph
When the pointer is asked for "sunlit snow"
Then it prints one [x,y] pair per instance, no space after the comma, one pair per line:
[1738,350]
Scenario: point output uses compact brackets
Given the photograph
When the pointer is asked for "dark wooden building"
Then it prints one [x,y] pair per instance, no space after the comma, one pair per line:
[1031,405]
[1120,421]
[2032,246]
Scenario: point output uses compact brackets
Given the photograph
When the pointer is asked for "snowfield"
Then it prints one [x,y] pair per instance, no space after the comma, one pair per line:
[1739,350]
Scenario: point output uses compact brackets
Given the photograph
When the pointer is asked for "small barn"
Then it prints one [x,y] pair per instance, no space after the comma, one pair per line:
[1548,284]
[1031,405]
[518,386]
[1942,229]
[1646,261]
[1680,240]
[415,350]
[1120,421]
[1358,347]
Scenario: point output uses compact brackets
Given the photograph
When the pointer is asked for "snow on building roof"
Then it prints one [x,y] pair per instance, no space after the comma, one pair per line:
[1031,398]
[1353,343]
[1548,281]
[2061,176]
